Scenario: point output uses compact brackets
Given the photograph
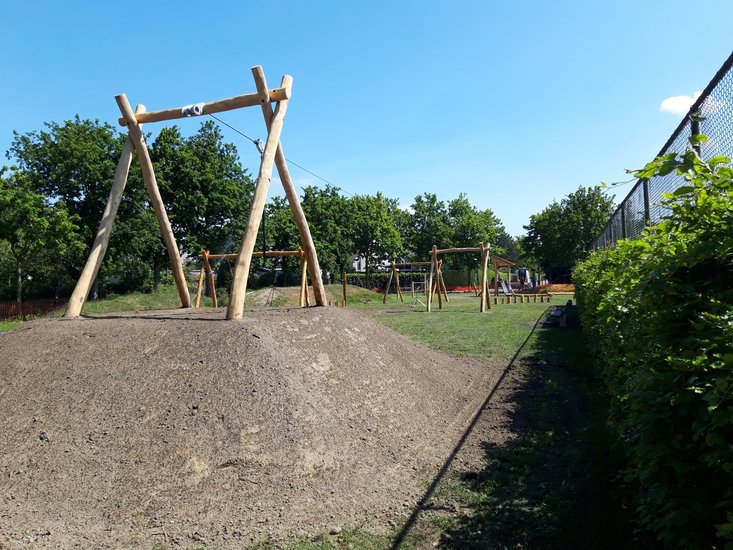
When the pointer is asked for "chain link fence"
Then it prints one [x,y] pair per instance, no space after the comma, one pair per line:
[712,115]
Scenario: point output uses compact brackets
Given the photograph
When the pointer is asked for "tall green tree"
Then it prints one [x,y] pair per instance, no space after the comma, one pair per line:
[430,226]
[507,248]
[206,191]
[73,162]
[374,234]
[41,237]
[560,235]
[469,227]
[330,216]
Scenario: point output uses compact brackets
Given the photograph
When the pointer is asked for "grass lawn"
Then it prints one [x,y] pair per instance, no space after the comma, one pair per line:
[6,326]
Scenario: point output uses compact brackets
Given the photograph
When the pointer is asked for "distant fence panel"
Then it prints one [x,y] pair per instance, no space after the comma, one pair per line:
[712,115]
[14,310]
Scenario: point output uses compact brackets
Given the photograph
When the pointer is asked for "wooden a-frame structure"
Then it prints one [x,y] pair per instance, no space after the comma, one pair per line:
[435,267]
[208,274]
[273,155]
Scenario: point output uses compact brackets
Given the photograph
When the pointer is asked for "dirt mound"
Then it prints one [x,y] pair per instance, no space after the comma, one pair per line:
[182,428]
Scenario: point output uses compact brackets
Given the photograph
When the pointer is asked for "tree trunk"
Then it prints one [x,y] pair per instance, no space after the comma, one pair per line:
[19,284]
[156,274]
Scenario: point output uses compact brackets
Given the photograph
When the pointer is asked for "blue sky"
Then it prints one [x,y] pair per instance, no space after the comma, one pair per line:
[515,104]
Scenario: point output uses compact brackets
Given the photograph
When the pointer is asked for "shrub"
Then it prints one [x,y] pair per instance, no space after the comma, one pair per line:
[659,313]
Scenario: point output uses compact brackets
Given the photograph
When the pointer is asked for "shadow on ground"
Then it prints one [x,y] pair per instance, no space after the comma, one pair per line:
[549,481]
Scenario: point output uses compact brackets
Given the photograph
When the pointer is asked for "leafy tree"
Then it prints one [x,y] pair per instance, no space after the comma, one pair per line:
[374,234]
[507,248]
[206,191]
[658,311]
[41,237]
[330,216]
[73,162]
[470,227]
[559,236]
[430,226]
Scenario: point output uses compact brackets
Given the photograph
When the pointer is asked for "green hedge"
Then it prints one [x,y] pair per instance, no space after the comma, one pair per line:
[659,313]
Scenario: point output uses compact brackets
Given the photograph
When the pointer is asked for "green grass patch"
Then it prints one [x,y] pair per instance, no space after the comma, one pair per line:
[7,326]
[166,297]
[459,328]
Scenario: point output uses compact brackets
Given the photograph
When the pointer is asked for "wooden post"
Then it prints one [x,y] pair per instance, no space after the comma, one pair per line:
[429,286]
[389,284]
[306,239]
[484,278]
[303,281]
[397,284]
[496,280]
[438,283]
[441,281]
[200,286]
[210,276]
[244,260]
[146,164]
[218,106]
[343,287]
[99,248]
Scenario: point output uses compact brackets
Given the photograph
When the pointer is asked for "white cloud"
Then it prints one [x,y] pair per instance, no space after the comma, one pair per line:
[679,104]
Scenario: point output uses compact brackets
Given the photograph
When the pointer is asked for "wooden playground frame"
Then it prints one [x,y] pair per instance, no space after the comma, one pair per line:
[207,272]
[273,156]
[436,266]
[395,275]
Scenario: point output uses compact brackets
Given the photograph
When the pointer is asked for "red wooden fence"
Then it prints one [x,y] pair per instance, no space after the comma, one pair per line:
[12,309]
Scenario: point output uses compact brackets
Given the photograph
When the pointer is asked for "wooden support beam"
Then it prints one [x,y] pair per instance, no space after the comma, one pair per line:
[410,264]
[200,286]
[303,282]
[458,250]
[429,288]
[101,241]
[306,240]
[235,310]
[397,283]
[138,141]
[210,277]
[343,288]
[441,281]
[389,284]
[211,107]
[438,281]
[484,281]
[257,254]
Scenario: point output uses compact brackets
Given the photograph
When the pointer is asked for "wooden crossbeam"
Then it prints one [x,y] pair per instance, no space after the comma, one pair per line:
[211,107]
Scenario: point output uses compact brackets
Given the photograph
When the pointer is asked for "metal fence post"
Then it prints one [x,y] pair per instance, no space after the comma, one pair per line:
[647,209]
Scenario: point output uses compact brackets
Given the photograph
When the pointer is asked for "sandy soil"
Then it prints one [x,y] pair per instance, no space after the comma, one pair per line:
[182,428]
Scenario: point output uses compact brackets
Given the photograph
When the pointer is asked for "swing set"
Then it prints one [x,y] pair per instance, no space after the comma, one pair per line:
[436,266]
[206,272]
[272,156]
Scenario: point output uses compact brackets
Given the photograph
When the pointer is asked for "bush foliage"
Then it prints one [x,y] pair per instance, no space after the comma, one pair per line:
[659,313]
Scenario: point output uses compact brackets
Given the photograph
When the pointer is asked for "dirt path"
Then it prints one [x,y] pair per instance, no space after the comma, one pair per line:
[181,428]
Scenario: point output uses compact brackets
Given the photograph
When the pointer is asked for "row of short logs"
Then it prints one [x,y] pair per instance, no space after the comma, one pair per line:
[523,298]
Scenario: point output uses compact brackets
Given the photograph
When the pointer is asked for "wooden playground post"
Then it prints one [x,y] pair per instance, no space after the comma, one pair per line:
[101,241]
[433,259]
[389,284]
[304,302]
[306,238]
[343,288]
[273,155]
[484,281]
[210,274]
[146,164]
[198,288]
[235,310]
